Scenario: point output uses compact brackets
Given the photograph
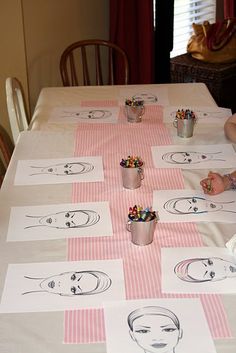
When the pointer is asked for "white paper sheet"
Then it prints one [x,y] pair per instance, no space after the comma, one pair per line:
[231,245]
[36,287]
[198,270]
[194,206]
[77,114]
[152,96]
[175,325]
[45,222]
[194,156]
[58,171]
[208,115]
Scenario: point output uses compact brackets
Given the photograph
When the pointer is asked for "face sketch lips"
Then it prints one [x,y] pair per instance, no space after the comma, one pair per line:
[158,345]
[51,284]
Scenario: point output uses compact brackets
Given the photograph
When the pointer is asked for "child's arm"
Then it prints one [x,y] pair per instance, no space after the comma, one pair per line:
[230,128]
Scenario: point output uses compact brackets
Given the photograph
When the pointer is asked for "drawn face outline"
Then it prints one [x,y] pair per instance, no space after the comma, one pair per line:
[76,283]
[211,269]
[186,157]
[191,205]
[67,168]
[156,333]
[148,98]
[70,219]
[92,114]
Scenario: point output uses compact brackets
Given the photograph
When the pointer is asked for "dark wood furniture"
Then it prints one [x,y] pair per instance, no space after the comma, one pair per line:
[219,78]
[96,62]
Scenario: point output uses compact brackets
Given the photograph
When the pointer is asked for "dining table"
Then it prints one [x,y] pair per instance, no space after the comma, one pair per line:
[57,132]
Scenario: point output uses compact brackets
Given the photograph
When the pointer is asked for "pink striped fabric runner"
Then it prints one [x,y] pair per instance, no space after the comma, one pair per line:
[142,269]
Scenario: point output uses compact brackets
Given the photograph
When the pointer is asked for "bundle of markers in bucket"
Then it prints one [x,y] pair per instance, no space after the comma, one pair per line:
[131,162]
[185,114]
[139,214]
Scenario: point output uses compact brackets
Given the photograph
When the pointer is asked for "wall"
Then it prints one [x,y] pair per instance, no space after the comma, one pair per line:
[12,58]
[50,26]
[33,35]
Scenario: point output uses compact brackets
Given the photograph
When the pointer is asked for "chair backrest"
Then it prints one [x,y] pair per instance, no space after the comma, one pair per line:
[6,149]
[96,59]
[16,107]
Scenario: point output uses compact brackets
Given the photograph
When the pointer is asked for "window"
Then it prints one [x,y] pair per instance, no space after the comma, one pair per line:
[185,13]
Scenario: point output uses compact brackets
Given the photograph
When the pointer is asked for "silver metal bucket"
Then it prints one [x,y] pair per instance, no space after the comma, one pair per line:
[141,232]
[131,177]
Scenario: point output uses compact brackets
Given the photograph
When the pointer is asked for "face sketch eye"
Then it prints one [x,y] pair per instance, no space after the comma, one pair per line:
[212,274]
[212,205]
[73,277]
[50,170]
[142,331]
[203,156]
[189,160]
[68,224]
[73,290]
[67,215]
[195,209]
[209,262]
[187,154]
[169,329]
[66,172]
[194,200]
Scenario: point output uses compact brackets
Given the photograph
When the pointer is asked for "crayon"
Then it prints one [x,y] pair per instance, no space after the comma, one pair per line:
[138,214]
[209,185]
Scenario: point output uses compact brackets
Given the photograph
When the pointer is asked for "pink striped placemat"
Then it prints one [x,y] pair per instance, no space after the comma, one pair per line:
[99,103]
[142,266]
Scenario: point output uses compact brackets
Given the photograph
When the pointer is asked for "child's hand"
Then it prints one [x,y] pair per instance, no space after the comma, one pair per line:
[213,184]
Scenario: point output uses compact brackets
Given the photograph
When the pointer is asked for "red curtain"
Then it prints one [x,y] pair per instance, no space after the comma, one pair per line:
[229,8]
[131,27]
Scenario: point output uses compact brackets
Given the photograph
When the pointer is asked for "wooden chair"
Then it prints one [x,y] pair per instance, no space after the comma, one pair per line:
[6,149]
[94,61]
[16,107]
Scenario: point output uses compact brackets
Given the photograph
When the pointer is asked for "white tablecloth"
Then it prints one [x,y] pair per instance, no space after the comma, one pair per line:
[43,332]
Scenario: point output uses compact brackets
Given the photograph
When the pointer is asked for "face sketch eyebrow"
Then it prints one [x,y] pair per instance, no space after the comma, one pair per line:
[190,205]
[167,325]
[142,326]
